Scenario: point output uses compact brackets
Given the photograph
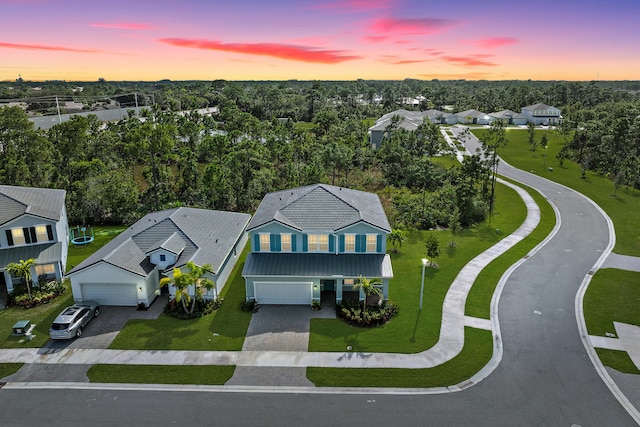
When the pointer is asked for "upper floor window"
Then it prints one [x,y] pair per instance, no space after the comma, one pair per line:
[265,242]
[372,243]
[285,242]
[319,242]
[18,236]
[26,235]
[163,257]
[41,233]
[349,242]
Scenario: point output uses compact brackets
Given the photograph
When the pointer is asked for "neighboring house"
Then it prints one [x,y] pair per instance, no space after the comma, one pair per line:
[475,117]
[409,120]
[542,114]
[127,270]
[508,117]
[314,242]
[33,224]
[440,117]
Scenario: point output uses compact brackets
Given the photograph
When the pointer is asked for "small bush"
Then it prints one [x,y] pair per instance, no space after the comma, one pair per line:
[248,305]
[377,315]
[202,308]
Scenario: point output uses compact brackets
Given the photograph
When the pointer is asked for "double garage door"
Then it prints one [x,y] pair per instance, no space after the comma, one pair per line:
[295,293]
[111,293]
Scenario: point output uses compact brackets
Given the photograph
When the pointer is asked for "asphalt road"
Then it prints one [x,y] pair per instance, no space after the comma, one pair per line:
[545,377]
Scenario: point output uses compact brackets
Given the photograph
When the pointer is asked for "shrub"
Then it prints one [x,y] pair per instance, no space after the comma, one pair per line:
[376,315]
[248,305]
[40,294]
[202,308]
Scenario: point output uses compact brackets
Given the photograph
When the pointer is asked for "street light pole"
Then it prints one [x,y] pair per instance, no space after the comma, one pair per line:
[424,265]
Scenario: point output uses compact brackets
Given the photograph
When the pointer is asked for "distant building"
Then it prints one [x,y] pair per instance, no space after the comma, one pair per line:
[542,114]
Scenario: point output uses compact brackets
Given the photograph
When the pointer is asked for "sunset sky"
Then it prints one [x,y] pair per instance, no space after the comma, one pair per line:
[322,39]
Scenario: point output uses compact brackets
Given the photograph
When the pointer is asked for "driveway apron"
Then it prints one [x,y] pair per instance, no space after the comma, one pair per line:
[278,328]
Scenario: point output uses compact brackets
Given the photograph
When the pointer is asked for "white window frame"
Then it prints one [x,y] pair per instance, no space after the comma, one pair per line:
[318,243]
[285,242]
[348,282]
[265,242]
[375,243]
[41,233]
[350,246]
[17,234]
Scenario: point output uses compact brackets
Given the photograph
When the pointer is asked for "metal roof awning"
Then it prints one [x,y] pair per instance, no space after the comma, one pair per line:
[318,265]
[42,254]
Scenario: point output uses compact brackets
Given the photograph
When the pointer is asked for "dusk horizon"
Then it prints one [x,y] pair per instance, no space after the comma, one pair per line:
[318,40]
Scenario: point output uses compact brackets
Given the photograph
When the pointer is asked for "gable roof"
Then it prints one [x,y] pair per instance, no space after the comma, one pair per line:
[507,114]
[198,235]
[42,202]
[320,207]
[470,113]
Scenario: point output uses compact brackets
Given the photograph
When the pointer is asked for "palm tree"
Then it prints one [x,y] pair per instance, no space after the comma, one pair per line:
[182,282]
[368,288]
[23,269]
[396,238]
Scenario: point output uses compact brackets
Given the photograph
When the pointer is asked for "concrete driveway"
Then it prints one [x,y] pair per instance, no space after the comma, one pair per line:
[280,328]
[102,330]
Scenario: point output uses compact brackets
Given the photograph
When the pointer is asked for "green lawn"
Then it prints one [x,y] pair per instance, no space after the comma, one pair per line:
[42,316]
[411,331]
[475,354]
[613,295]
[622,208]
[225,329]
[158,374]
[7,369]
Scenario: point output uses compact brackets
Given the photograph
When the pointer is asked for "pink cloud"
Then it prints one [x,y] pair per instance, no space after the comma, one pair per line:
[357,5]
[412,26]
[407,61]
[47,47]
[494,42]
[282,51]
[471,76]
[470,60]
[123,25]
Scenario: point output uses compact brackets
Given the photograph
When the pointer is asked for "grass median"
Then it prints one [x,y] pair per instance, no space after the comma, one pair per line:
[160,374]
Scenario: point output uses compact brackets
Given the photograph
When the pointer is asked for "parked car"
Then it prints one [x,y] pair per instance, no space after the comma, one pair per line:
[70,322]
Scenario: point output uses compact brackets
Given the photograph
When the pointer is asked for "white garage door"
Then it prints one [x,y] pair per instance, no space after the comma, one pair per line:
[283,292]
[111,293]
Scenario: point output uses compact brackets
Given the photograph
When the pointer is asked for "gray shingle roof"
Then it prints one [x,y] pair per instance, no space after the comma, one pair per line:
[207,236]
[42,202]
[173,244]
[317,265]
[539,107]
[320,207]
[470,113]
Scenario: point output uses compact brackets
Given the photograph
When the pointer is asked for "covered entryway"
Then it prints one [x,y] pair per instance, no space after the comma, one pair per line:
[295,293]
[111,293]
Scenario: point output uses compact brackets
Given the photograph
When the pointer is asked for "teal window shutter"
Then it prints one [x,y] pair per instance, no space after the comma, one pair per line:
[341,243]
[276,243]
[332,243]
[361,243]
[305,243]
[256,243]
[273,244]
[379,243]
[294,247]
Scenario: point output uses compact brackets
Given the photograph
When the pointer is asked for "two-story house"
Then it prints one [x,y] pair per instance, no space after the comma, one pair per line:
[33,225]
[542,114]
[314,242]
[127,270]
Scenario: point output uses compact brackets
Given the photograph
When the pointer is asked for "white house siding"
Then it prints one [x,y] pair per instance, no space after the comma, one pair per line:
[227,267]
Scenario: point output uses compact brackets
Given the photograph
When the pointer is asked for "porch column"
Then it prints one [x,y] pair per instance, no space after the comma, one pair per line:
[339,290]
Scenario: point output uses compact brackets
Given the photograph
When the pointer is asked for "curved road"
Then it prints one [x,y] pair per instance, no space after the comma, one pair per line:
[545,377]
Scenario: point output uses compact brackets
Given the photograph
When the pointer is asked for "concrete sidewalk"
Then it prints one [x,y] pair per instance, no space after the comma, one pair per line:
[449,345]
